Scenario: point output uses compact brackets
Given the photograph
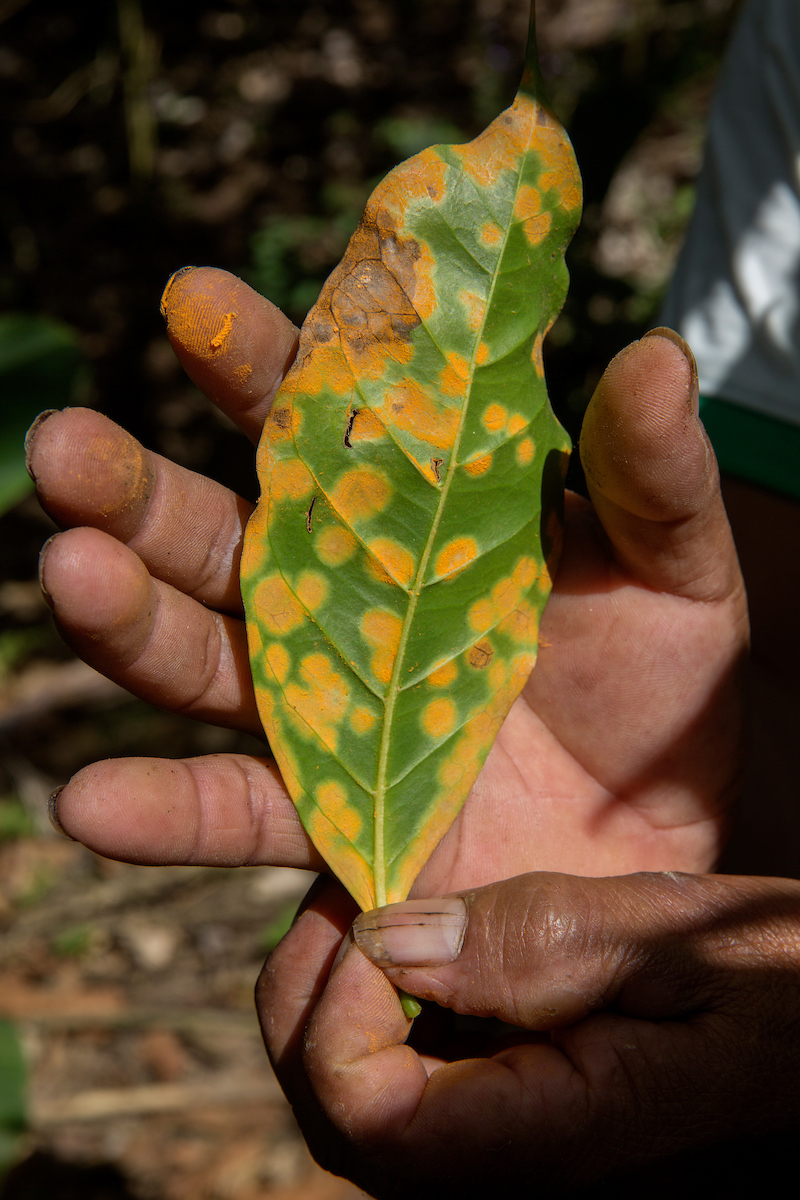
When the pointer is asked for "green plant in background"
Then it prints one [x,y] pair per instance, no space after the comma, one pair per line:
[40,367]
[12,1095]
[15,820]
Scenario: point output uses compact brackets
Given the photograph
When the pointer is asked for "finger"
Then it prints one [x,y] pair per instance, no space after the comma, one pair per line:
[88,471]
[542,951]
[145,635]
[233,343]
[225,810]
[652,475]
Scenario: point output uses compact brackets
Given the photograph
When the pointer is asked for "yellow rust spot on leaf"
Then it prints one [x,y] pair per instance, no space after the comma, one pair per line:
[362,720]
[456,555]
[491,233]
[537,228]
[516,424]
[290,480]
[366,427]
[312,590]
[444,675]
[439,717]
[334,545]
[321,698]
[482,354]
[276,606]
[454,376]
[536,354]
[525,452]
[525,572]
[382,631]
[422,177]
[361,493]
[398,562]
[350,865]
[475,306]
[332,800]
[528,203]
[414,410]
[278,659]
[495,418]
[500,147]
[478,466]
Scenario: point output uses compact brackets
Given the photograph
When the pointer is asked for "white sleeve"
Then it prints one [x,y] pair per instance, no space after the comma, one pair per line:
[735,295]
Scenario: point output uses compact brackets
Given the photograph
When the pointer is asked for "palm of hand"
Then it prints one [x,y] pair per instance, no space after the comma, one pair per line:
[634,695]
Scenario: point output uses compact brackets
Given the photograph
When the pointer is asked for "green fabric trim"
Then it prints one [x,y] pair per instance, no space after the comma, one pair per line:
[752,446]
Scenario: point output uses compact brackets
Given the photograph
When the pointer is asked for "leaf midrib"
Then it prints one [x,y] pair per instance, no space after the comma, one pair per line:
[393,690]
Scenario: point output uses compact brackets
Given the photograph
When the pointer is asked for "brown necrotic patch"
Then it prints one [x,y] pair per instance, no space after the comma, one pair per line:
[480,655]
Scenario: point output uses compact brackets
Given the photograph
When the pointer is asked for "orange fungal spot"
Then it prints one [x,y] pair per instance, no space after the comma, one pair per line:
[528,203]
[525,452]
[478,466]
[278,659]
[482,354]
[362,720]
[398,562]
[516,424]
[456,555]
[495,418]
[482,615]
[475,306]
[537,228]
[407,406]
[491,233]
[439,718]
[290,480]
[333,802]
[444,675]
[312,590]
[361,493]
[276,607]
[334,545]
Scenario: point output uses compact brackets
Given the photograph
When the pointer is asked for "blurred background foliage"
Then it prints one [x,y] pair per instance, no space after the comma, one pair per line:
[139,136]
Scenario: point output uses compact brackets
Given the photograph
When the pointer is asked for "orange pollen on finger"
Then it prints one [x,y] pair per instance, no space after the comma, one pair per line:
[361,493]
[219,339]
[478,466]
[439,718]
[276,607]
[456,555]
[242,373]
[495,418]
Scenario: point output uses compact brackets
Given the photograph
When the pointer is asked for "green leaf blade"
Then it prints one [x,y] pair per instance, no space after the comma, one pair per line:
[400,557]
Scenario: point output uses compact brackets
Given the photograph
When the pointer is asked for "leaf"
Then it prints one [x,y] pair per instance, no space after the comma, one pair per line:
[39,366]
[401,554]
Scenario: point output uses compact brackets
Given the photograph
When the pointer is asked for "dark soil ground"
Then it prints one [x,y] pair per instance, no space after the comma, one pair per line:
[138,137]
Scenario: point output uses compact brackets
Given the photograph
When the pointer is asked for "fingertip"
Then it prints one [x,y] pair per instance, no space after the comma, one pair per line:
[232,342]
[642,445]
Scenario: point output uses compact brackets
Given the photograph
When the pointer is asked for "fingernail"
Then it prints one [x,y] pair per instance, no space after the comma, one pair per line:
[30,437]
[42,556]
[663,331]
[173,277]
[414,933]
[52,812]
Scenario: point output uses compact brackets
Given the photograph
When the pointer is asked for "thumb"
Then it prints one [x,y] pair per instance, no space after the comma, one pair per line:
[652,475]
[544,950]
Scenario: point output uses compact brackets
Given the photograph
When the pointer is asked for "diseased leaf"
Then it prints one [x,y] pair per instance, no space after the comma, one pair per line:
[398,562]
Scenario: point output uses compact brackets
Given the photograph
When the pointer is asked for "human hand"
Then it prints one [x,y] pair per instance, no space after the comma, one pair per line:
[619,755]
[657,1016]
